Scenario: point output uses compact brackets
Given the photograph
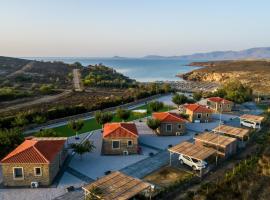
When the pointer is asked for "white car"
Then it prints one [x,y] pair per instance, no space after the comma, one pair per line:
[195,164]
[250,124]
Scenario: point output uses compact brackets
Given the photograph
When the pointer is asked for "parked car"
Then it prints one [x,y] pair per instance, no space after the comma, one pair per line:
[195,164]
[250,124]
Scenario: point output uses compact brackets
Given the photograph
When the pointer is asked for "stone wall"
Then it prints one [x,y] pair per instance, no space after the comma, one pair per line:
[175,129]
[205,117]
[108,150]
[224,107]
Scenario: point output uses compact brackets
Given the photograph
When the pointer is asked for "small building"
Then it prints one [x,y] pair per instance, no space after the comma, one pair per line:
[171,124]
[254,121]
[117,186]
[120,139]
[225,146]
[34,163]
[198,113]
[241,134]
[219,104]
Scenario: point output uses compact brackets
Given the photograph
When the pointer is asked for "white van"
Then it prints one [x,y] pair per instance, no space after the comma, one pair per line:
[195,164]
[250,124]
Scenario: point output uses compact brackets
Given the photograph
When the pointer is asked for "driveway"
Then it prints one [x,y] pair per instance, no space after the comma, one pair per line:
[94,165]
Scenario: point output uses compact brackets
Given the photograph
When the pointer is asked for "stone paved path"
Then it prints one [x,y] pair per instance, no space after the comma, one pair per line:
[148,165]
[79,175]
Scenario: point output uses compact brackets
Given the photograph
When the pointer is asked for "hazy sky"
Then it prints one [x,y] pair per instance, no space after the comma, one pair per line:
[131,27]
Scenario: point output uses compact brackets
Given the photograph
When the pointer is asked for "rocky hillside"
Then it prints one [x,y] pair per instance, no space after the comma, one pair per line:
[255,74]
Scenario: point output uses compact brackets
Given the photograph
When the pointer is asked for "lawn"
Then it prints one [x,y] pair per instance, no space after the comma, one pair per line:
[91,124]
[166,176]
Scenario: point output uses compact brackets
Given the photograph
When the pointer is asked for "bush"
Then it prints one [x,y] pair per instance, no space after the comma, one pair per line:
[197,96]
[46,88]
[155,106]
[46,133]
[153,124]
[103,118]
[179,99]
[123,114]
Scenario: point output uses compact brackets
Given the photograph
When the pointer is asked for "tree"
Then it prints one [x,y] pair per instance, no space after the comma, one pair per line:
[76,126]
[20,120]
[46,88]
[156,105]
[179,99]
[154,124]
[103,118]
[46,133]
[123,114]
[82,148]
[38,119]
[166,87]
[197,96]
[9,140]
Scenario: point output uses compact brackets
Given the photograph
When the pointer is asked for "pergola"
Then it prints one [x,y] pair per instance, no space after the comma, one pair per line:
[252,118]
[194,151]
[116,186]
[236,132]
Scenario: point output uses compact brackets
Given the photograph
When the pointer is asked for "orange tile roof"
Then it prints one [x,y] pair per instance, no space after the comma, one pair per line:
[168,117]
[35,151]
[219,100]
[122,129]
[198,108]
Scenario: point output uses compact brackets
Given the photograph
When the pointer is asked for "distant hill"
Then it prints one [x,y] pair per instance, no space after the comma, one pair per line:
[253,53]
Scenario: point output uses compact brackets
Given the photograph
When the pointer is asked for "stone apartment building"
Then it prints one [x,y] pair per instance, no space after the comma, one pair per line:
[172,124]
[219,104]
[120,139]
[35,160]
[198,113]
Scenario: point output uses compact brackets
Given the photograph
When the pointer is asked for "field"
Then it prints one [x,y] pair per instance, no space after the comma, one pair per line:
[91,124]
[166,176]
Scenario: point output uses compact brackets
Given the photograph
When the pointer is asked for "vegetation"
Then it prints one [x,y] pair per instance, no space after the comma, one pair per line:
[197,96]
[155,106]
[154,124]
[10,93]
[179,99]
[102,76]
[46,89]
[9,140]
[103,118]
[82,148]
[95,194]
[235,91]
[76,125]
[123,114]
[20,120]
[39,119]
[46,133]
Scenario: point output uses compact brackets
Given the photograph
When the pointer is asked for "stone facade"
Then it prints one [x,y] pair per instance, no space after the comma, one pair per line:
[204,117]
[107,146]
[171,128]
[218,106]
[48,172]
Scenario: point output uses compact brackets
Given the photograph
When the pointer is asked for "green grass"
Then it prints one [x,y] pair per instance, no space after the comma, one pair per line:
[91,124]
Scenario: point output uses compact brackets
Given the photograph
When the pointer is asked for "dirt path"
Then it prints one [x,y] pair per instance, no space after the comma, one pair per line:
[22,70]
[77,80]
[45,99]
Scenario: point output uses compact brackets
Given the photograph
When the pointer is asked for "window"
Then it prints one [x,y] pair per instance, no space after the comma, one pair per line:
[199,115]
[116,144]
[179,126]
[220,105]
[229,105]
[168,127]
[130,143]
[207,115]
[38,171]
[18,173]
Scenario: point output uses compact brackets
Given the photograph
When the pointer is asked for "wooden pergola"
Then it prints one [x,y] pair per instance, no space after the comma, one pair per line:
[194,151]
[253,118]
[215,139]
[239,133]
[116,186]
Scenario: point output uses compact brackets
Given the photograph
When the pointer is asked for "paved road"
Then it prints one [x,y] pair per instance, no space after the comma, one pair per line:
[77,80]
[90,115]
[144,167]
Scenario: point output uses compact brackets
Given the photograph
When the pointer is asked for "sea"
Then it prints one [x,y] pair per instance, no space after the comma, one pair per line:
[143,70]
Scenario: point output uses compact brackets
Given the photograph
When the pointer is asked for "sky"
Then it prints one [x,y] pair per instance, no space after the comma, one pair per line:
[131,28]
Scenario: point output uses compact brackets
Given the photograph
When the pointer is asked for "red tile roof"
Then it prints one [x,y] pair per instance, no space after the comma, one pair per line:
[198,108]
[35,151]
[168,117]
[122,129]
[219,100]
